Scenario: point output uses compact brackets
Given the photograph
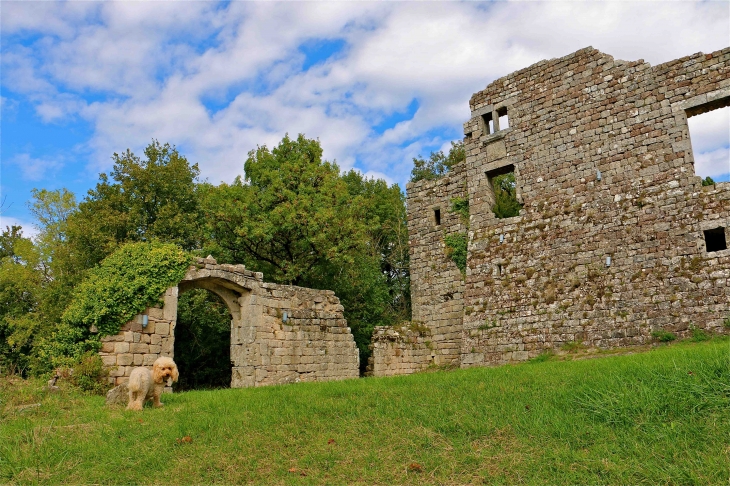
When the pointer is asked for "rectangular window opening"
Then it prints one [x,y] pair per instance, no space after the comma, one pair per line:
[503,119]
[715,239]
[437,216]
[488,123]
[709,130]
[504,189]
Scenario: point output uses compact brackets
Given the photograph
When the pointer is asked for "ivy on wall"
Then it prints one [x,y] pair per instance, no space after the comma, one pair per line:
[456,250]
[124,284]
[460,205]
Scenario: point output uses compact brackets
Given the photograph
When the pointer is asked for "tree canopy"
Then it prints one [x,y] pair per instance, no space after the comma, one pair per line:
[294,216]
[437,164]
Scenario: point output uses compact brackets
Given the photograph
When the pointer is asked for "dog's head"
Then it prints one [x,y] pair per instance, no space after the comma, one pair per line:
[164,370]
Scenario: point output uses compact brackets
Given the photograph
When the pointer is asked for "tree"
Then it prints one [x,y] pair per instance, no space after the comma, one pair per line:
[21,287]
[437,164]
[292,217]
[146,199]
[387,227]
[299,221]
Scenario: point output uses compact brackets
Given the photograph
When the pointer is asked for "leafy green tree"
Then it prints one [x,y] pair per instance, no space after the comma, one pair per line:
[21,286]
[708,181]
[299,221]
[291,217]
[154,198]
[387,226]
[437,164]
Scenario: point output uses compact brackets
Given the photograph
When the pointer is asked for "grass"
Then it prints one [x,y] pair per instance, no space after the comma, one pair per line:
[651,418]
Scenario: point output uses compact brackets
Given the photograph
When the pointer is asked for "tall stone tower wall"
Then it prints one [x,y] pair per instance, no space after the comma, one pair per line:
[612,241]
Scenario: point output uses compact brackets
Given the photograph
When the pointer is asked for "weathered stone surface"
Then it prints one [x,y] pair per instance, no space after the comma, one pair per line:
[272,327]
[604,168]
[119,395]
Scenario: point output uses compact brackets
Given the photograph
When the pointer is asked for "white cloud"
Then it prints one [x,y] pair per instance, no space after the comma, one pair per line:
[714,164]
[29,229]
[710,135]
[36,169]
[710,130]
[141,70]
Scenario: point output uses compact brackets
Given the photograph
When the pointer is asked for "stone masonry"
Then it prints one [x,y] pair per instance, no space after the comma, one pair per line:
[279,333]
[617,238]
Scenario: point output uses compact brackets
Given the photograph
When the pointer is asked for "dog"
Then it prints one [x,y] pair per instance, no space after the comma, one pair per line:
[148,385]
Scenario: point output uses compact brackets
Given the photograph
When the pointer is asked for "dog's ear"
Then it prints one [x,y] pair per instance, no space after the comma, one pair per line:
[175,373]
[157,373]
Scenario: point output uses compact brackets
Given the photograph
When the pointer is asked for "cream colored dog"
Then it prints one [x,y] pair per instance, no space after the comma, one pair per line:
[148,385]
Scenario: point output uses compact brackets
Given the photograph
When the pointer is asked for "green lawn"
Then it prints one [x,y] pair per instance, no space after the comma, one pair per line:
[657,417]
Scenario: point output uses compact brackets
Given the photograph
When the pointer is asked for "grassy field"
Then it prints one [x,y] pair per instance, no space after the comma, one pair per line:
[657,417]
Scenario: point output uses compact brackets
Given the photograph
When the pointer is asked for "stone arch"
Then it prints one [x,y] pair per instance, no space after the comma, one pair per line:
[279,333]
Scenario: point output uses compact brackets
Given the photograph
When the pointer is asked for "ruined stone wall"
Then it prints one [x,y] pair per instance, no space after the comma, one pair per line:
[279,333]
[541,279]
[437,285]
[399,351]
[302,336]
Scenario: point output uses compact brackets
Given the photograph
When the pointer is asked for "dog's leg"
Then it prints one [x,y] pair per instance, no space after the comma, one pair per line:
[134,401]
[156,398]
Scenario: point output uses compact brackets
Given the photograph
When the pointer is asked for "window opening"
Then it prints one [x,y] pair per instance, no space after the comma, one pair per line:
[709,128]
[715,239]
[488,123]
[437,216]
[504,188]
[503,119]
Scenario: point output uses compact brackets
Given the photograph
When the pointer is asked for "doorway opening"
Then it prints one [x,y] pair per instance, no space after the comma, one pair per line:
[202,341]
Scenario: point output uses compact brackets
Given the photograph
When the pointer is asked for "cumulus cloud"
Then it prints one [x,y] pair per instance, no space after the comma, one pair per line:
[137,71]
[29,229]
[36,169]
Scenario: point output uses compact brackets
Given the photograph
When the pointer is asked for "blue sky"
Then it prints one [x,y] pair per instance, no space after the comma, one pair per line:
[377,82]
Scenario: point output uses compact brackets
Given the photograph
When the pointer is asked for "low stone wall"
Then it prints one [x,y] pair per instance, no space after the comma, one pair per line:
[399,351]
[302,335]
[279,333]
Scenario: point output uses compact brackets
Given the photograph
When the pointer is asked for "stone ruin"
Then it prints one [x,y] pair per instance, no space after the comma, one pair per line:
[616,238]
[279,333]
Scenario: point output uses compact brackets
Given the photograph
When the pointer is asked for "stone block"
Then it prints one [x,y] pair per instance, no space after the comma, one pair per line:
[139,348]
[120,348]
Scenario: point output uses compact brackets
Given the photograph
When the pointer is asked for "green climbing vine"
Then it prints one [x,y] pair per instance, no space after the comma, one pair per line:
[124,284]
[456,249]
[460,205]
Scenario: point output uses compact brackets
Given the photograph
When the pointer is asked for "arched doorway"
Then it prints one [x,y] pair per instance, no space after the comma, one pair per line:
[209,311]
[202,341]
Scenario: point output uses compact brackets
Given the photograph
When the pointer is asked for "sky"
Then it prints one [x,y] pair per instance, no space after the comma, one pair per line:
[378,83]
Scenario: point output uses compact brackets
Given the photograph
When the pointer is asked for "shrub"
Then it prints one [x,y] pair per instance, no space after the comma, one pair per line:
[663,336]
[90,374]
[65,347]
